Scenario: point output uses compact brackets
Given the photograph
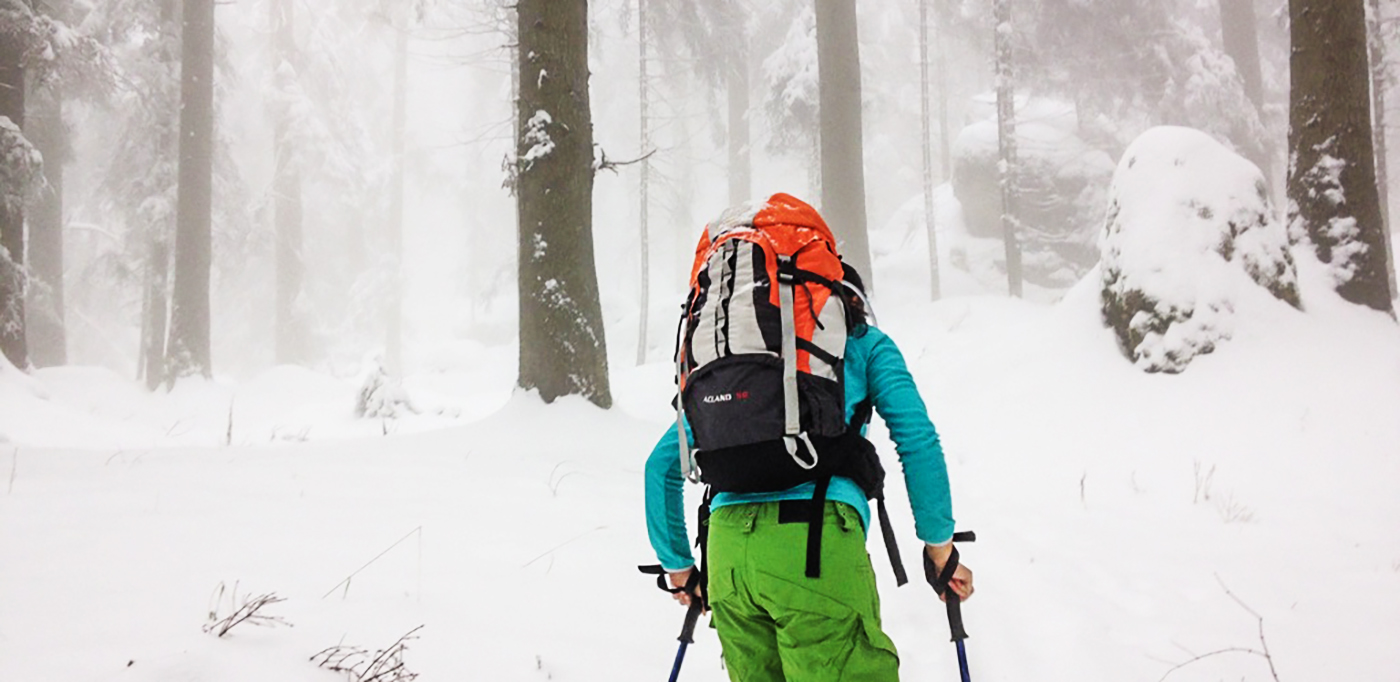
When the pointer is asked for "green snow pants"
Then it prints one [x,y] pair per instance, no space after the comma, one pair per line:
[777,625]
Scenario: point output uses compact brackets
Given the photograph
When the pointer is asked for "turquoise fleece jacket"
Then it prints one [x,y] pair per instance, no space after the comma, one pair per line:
[874,368]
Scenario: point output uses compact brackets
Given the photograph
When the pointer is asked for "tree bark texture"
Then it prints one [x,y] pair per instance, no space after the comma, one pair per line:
[842,152]
[1332,182]
[48,346]
[1006,145]
[562,346]
[290,341]
[644,189]
[12,281]
[925,114]
[189,347]
[1380,83]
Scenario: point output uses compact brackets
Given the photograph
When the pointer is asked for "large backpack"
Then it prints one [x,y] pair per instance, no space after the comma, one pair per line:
[760,362]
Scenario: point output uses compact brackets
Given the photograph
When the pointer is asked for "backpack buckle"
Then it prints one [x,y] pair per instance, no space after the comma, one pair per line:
[787,269]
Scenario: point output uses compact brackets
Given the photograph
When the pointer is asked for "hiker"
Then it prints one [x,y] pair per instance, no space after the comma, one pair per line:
[774,620]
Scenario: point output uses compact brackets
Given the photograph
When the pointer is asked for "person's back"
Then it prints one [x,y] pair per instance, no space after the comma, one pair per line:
[775,619]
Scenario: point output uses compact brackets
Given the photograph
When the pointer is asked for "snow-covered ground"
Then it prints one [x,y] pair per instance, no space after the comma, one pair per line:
[1113,508]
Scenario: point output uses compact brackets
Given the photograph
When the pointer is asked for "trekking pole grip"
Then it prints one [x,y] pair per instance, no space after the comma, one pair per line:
[692,616]
[939,580]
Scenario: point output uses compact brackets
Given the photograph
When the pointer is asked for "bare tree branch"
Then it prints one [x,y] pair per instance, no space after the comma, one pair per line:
[603,163]
[1264,653]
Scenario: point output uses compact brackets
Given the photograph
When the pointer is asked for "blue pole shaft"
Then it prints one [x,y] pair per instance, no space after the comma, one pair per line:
[680,656]
[962,662]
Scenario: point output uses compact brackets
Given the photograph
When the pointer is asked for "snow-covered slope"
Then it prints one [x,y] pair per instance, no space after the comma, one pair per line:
[1111,507]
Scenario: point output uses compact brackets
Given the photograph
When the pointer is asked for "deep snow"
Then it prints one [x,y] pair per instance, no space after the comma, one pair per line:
[1110,506]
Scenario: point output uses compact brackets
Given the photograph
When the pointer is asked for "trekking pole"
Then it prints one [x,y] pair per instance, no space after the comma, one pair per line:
[692,615]
[939,583]
[687,634]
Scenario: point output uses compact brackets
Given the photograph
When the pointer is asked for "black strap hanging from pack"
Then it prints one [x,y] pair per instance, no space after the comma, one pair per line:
[702,540]
[816,514]
[860,417]
[891,546]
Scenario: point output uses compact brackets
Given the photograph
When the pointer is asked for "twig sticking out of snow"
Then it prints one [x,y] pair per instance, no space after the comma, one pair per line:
[346,582]
[228,435]
[1203,483]
[248,612]
[385,665]
[1262,651]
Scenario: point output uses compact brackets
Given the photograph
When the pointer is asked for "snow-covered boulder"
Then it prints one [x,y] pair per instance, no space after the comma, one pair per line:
[1189,225]
[1061,181]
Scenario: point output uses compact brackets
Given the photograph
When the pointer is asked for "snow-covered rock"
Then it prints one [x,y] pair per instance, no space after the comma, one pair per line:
[1061,181]
[1189,226]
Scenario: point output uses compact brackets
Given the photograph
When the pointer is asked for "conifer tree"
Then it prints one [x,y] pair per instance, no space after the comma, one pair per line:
[16,153]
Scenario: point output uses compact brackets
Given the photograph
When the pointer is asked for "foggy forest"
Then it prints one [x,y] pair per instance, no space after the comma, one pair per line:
[289,286]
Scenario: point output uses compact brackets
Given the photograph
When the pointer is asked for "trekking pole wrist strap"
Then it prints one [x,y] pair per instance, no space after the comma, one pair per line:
[691,583]
[939,580]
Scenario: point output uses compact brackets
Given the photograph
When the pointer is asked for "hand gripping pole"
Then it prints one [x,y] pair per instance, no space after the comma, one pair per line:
[938,580]
[692,615]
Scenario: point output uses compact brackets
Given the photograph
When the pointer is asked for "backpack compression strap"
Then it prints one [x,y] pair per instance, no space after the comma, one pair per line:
[792,413]
[688,470]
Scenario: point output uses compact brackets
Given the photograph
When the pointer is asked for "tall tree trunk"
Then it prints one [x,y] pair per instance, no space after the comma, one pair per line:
[643,143]
[155,314]
[156,301]
[1240,37]
[12,280]
[393,343]
[286,188]
[189,348]
[842,152]
[737,86]
[1006,145]
[925,115]
[48,345]
[945,139]
[563,350]
[1380,81]
[1332,183]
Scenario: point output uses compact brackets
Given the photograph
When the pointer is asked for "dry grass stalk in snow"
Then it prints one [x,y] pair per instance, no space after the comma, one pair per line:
[247,612]
[385,665]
